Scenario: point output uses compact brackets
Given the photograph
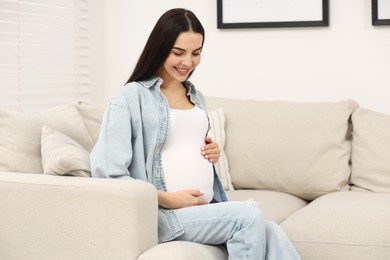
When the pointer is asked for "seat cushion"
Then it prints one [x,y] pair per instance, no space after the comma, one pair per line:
[184,250]
[276,206]
[342,226]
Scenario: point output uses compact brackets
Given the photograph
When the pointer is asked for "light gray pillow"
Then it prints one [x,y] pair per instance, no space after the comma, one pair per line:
[61,155]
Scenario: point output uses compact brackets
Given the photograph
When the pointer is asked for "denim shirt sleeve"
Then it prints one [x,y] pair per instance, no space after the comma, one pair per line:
[111,157]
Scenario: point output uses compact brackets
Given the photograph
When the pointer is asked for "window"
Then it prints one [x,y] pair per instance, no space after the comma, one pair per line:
[44,53]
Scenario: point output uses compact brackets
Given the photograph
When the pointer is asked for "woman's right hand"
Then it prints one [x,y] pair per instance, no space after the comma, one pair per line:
[180,199]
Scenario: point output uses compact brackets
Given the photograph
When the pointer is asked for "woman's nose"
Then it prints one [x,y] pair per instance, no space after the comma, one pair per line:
[187,61]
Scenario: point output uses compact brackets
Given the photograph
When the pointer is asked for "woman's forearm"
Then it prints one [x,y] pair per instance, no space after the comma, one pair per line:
[163,198]
[180,199]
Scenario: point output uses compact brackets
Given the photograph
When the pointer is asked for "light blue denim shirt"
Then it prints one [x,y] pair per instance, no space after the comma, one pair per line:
[134,129]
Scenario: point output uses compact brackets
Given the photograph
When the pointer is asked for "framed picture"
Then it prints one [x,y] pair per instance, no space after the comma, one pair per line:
[272,13]
[380,12]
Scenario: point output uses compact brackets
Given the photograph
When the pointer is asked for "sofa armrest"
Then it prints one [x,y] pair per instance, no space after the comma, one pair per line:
[55,217]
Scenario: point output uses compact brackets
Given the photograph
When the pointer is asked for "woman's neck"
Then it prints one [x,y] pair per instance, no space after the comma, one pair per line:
[171,85]
[176,95]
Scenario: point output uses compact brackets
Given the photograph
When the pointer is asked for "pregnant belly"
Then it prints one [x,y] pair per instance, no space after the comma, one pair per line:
[186,169]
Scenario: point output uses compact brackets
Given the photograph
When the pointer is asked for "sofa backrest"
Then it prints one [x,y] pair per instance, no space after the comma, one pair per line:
[299,148]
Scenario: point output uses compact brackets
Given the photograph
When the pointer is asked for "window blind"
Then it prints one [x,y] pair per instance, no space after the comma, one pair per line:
[44,53]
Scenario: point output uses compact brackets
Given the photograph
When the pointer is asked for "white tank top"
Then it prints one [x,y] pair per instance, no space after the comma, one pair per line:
[184,166]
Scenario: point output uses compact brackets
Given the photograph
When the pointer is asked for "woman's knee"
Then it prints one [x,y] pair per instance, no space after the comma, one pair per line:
[273,229]
[250,221]
[248,213]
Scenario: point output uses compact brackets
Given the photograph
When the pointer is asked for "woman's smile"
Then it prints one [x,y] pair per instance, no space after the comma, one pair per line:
[182,71]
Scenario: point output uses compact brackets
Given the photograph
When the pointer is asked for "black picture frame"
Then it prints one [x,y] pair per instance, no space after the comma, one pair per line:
[375,15]
[322,21]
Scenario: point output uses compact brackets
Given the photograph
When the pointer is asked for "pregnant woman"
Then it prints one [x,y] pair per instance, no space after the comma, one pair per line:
[155,130]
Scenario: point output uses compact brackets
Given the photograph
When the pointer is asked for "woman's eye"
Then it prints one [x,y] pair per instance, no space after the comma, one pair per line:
[177,53]
[196,54]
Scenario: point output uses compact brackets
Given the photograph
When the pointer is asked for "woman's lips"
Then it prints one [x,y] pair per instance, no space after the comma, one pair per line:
[182,71]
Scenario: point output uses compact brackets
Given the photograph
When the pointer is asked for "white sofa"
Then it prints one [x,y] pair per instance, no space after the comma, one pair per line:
[321,170]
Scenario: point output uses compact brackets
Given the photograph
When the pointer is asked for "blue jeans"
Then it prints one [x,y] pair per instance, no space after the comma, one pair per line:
[240,226]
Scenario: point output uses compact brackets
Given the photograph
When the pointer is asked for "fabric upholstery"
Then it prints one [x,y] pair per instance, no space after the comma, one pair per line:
[342,225]
[371,151]
[281,155]
[184,250]
[92,115]
[55,217]
[298,148]
[61,155]
[20,136]
[217,133]
[276,206]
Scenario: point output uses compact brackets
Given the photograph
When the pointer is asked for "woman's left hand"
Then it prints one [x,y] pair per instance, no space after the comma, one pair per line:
[211,151]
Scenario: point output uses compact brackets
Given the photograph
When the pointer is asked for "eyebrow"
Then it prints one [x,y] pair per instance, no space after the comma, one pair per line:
[180,49]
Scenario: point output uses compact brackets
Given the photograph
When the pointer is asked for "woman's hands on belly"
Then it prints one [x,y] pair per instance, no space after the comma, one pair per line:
[211,150]
[180,199]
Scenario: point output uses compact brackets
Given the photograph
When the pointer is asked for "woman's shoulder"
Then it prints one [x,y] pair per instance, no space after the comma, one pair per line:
[141,86]
[132,93]
[128,92]
[132,87]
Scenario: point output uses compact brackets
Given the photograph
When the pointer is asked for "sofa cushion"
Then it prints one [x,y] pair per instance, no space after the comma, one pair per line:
[61,155]
[92,115]
[20,136]
[371,150]
[217,133]
[276,206]
[184,250]
[299,148]
[342,225]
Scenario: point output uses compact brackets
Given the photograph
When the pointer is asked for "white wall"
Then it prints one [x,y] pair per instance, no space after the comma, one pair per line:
[348,59]
[96,8]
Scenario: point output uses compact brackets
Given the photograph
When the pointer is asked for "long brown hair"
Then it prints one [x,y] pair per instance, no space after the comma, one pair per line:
[161,40]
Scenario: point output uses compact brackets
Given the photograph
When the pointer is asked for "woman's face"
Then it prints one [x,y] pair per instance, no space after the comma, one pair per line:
[183,58]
